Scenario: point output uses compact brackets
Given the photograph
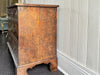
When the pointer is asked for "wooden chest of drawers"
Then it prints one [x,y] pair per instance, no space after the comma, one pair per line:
[32,33]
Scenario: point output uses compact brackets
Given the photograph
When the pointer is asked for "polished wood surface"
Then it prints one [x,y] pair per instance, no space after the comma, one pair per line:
[33,5]
[32,35]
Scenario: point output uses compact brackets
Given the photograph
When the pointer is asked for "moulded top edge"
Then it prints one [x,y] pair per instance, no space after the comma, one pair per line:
[33,5]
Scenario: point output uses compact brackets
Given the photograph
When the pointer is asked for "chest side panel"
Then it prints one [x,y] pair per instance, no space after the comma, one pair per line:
[47,28]
[28,35]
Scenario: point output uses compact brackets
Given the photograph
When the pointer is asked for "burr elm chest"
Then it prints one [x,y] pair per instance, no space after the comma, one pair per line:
[32,34]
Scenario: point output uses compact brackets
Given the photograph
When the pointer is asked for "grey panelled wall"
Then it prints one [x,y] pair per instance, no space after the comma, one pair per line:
[93,35]
[78,30]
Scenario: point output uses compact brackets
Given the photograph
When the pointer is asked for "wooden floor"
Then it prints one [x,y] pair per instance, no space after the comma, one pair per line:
[7,65]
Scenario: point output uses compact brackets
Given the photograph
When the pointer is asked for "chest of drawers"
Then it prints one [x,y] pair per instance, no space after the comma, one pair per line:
[32,35]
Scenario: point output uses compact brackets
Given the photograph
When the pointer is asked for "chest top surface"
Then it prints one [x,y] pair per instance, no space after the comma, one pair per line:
[33,5]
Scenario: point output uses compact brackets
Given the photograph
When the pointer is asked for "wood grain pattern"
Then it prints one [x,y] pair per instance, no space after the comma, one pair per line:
[28,35]
[32,35]
[48,35]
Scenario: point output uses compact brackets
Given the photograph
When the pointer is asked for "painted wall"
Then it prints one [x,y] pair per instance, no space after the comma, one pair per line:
[3,9]
[78,30]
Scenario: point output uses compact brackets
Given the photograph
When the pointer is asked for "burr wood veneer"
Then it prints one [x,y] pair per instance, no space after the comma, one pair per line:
[32,36]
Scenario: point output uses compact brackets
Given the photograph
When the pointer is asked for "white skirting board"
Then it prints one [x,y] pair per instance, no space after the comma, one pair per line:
[69,67]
